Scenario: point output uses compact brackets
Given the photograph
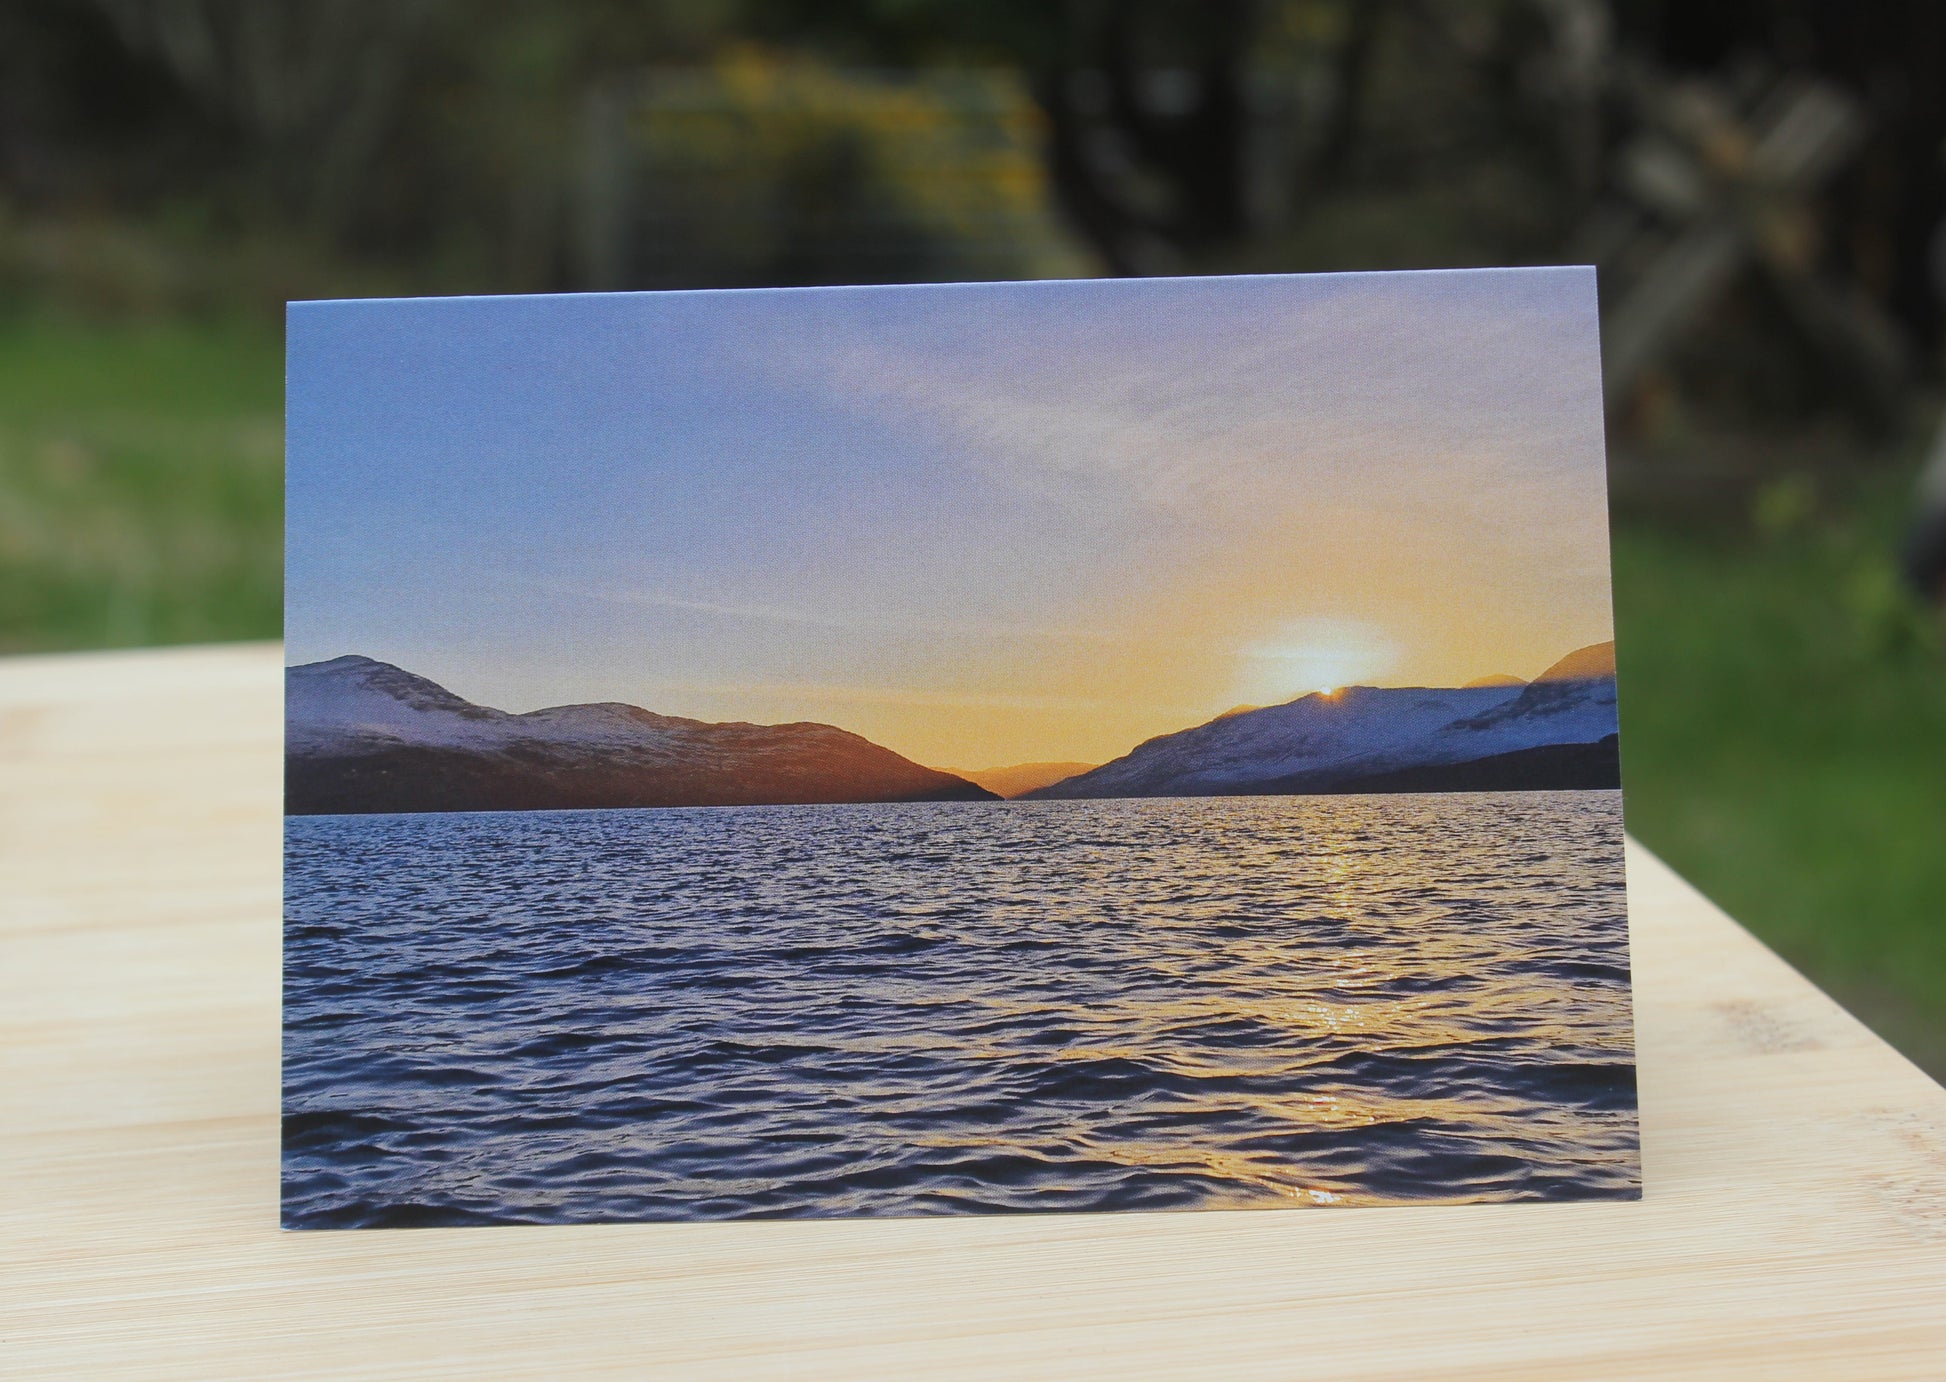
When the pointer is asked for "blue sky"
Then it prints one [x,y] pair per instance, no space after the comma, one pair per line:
[981,523]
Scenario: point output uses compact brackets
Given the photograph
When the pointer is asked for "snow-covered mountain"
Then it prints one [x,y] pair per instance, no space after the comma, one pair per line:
[365,736]
[1558,731]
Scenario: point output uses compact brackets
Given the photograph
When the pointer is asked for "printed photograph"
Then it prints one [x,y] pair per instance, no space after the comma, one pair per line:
[952,749]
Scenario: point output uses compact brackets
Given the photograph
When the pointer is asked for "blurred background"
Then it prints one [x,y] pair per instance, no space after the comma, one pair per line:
[1762,183]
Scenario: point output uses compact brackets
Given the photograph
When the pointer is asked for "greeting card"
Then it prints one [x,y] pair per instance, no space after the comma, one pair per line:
[952,749]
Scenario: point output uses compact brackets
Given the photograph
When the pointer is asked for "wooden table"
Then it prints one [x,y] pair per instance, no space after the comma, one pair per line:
[1794,1223]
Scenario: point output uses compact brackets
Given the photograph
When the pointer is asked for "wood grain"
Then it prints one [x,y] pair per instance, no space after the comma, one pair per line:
[1794,1222]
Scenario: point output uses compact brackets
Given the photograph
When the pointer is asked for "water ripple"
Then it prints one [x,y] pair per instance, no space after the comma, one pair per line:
[955,1008]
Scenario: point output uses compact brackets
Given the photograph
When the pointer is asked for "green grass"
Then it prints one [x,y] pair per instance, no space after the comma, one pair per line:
[1784,743]
[141,484]
[1784,708]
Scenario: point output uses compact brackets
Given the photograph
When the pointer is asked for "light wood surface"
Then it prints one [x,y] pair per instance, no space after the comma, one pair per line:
[1794,1223]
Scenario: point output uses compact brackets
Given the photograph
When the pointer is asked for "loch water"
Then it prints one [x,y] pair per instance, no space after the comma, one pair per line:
[716,1013]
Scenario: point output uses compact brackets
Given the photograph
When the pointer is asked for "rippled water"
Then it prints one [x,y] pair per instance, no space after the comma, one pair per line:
[954,1008]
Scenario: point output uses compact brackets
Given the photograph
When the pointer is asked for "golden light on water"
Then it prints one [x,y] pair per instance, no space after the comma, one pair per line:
[1283,1002]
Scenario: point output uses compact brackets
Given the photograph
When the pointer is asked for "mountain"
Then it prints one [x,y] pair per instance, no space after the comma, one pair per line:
[1595,660]
[365,736]
[1497,679]
[1558,731]
[1021,778]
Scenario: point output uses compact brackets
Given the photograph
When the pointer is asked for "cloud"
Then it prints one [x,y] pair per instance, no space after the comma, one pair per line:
[1428,394]
[866,622]
[835,693]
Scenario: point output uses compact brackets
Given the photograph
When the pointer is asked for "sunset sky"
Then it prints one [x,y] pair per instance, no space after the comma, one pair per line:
[979,524]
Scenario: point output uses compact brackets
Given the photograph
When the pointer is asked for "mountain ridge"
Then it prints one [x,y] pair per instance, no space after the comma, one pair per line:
[1364,738]
[364,736]
[1583,664]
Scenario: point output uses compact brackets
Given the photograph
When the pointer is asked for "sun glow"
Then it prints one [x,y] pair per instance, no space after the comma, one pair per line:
[1321,656]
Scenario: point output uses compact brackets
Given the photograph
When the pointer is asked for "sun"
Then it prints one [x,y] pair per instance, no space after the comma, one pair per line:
[1313,656]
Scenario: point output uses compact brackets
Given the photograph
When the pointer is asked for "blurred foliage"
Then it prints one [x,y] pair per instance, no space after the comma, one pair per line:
[1783,734]
[761,170]
[141,483]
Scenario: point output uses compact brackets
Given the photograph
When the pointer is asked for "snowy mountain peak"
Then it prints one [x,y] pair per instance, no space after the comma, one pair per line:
[364,735]
[1330,742]
[351,700]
